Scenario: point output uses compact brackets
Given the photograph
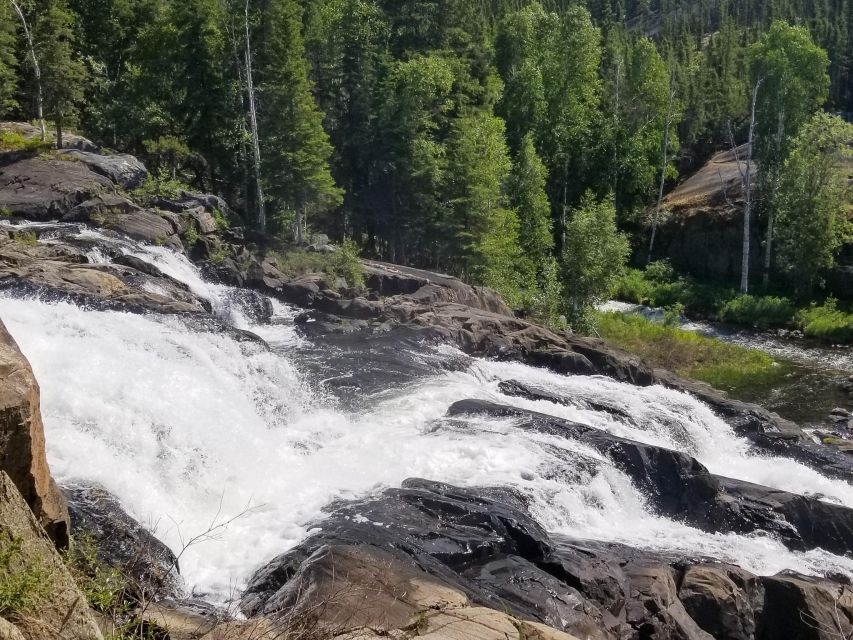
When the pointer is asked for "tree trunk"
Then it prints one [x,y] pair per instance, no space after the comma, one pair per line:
[36,70]
[253,122]
[59,131]
[663,168]
[746,183]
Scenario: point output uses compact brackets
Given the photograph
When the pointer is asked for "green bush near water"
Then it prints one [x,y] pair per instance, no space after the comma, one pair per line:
[764,312]
[689,354]
[827,322]
[659,286]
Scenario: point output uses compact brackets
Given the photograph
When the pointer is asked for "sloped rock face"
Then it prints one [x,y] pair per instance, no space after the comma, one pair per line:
[61,272]
[122,543]
[58,608]
[22,446]
[430,547]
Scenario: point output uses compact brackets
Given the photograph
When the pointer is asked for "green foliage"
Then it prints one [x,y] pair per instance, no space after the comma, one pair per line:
[814,201]
[105,588]
[63,72]
[594,255]
[220,219]
[10,141]
[793,72]
[481,230]
[23,582]
[723,365]
[635,120]
[156,187]
[190,236]
[763,312]
[827,322]
[9,78]
[27,238]
[296,148]
[344,263]
[527,196]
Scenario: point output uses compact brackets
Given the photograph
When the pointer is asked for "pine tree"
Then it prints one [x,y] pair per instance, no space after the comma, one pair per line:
[8,59]
[413,112]
[527,196]
[296,148]
[480,227]
[63,72]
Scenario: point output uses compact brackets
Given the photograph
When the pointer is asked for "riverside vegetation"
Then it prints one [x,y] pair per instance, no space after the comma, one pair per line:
[518,144]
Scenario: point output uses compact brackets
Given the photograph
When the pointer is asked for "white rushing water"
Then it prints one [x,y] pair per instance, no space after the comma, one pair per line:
[190,428]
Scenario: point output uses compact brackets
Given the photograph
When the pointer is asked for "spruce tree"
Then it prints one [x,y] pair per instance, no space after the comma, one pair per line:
[481,229]
[296,148]
[63,72]
[527,196]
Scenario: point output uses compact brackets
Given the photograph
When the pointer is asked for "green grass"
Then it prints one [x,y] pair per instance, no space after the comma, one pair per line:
[11,141]
[722,365]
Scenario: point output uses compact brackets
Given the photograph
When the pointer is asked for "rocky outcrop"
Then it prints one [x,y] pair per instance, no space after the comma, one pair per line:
[678,486]
[427,547]
[22,446]
[54,606]
[121,543]
[60,272]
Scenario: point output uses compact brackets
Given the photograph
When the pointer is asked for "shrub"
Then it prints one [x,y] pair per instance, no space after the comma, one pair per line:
[27,238]
[763,312]
[347,264]
[343,263]
[190,236]
[826,322]
[22,582]
[220,219]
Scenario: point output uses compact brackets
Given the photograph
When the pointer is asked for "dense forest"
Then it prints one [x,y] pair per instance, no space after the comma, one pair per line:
[519,144]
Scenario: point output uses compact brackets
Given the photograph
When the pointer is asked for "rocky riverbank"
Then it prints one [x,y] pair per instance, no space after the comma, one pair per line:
[427,559]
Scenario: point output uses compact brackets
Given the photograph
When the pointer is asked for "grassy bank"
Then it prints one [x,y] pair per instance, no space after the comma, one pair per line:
[659,286]
[725,366]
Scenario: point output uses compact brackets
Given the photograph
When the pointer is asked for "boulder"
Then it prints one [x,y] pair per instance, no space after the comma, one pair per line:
[120,542]
[47,189]
[808,608]
[725,601]
[57,608]
[124,170]
[22,446]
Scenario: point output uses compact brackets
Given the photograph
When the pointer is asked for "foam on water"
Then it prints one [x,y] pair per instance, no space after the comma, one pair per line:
[189,428]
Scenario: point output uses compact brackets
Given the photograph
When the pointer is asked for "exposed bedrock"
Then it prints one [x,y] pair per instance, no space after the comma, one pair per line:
[479,547]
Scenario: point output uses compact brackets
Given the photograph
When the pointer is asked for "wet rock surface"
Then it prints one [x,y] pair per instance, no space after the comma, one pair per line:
[482,545]
[101,525]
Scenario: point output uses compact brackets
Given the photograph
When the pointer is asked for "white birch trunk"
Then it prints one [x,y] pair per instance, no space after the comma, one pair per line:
[36,69]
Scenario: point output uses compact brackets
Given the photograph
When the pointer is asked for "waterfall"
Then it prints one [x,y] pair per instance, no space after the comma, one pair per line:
[191,427]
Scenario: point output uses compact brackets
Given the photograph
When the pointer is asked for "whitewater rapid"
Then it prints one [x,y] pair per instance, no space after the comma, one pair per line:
[191,428]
